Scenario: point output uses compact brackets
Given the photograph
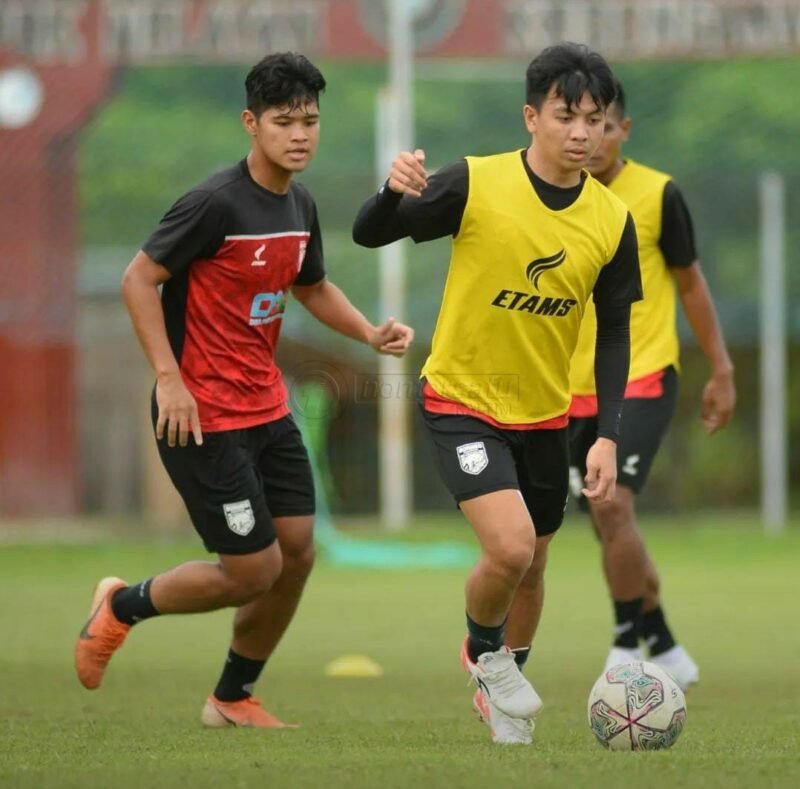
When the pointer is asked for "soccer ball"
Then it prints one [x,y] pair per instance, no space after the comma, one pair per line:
[636,707]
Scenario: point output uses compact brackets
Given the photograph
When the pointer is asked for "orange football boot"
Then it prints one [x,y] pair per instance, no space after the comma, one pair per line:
[246,712]
[102,635]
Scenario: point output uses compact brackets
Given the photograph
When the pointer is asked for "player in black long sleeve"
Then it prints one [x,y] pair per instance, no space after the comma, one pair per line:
[438,211]
[667,254]
[534,239]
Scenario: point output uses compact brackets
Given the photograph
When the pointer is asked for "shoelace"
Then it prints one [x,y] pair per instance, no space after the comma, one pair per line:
[507,679]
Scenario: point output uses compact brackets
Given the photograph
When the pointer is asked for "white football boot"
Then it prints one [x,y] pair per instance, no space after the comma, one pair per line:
[679,665]
[498,676]
[617,655]
[505,730]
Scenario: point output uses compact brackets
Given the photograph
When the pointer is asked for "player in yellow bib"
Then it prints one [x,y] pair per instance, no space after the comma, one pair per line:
[534,238]
[667,256]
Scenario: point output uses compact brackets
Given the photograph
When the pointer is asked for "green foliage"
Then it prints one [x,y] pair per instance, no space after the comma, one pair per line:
[715,126]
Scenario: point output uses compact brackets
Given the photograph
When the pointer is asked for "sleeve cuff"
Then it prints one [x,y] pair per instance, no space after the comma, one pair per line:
[387,195]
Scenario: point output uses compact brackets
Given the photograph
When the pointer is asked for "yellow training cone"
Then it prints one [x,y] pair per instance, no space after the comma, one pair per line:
[353,666]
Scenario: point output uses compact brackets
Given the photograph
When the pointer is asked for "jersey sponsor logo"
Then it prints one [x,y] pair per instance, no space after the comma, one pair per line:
[551,306]
[533,303]
[472,457]
[539,266]
[239,517]
[267,307]
[257,261]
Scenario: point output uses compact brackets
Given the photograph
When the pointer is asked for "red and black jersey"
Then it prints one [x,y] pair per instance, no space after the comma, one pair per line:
[234,250]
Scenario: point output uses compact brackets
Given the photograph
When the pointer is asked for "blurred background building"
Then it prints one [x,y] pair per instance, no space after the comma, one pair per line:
[110,110]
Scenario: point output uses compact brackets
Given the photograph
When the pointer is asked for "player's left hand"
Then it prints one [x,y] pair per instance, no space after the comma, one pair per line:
[601,471]
[719,401]
[391,337]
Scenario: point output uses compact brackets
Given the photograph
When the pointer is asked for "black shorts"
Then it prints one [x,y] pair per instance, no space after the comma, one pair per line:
[237,481]
[643,426]
[476,458]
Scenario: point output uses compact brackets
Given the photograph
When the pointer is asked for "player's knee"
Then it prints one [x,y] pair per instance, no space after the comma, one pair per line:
[257,584]
[539,563]
[614,518]
[535,573]
[299,561]
[515,551]
[256,578]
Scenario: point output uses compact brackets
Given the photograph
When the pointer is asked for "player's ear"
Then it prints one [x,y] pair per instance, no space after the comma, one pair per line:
[531,116]
[625,125]
[250,122]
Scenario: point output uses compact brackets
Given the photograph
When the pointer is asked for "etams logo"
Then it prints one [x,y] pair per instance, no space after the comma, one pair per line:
[551,306]
[539,266]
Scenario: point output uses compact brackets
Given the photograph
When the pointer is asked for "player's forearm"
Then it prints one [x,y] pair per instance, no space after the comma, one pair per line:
[702,317]
[330,306]
[147,315]
[378,222]
[611,366]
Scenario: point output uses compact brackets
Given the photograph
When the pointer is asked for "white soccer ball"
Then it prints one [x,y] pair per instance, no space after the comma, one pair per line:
[636,706]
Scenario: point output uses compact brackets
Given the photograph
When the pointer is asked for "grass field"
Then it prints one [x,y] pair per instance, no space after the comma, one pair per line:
[732,596]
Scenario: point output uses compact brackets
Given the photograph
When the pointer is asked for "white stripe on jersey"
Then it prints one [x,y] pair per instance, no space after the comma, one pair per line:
[301,233]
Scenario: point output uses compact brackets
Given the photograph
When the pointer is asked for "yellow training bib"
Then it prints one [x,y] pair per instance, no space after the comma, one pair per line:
[654,338]
[519,279]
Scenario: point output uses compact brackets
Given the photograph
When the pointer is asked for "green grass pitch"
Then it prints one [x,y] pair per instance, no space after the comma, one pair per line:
[732,596]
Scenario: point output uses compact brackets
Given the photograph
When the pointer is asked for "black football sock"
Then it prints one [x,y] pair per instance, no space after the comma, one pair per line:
[656,633]
[483,639]
[628,629]
[133,604]
[521,655]
[238,677]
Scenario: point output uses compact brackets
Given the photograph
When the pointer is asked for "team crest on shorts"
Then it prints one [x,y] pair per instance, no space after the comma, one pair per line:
[240,517]
[472,457]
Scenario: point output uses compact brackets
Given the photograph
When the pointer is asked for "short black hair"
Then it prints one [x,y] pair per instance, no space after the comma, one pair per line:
[619,99]
[280,79]
[574,69]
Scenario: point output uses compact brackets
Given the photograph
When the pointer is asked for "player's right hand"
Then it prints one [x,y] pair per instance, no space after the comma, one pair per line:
[719,401]
[601,471]
[407,175]
[177,411]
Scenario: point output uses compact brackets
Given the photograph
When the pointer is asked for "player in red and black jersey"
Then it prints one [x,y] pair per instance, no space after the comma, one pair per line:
[228,254]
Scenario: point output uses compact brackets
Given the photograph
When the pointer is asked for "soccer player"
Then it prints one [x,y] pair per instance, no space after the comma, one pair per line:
[227,254]
[534,237]
[667,255]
